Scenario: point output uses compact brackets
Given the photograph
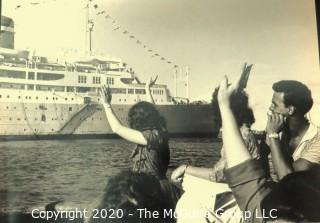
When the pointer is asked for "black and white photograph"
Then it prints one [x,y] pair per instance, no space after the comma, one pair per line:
[159,111]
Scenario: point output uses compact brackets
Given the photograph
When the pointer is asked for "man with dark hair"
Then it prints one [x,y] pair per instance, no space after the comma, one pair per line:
[294,142]
[296,197]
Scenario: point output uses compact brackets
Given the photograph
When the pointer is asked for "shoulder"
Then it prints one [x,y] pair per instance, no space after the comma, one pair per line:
[154,136]
[312,151]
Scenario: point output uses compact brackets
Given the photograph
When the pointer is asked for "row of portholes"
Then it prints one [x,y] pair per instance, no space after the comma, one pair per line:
[36,119]
[92,119]
[52,130]
[36,108]
[47,98]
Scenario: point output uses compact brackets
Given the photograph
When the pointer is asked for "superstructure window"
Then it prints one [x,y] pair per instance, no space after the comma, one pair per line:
[96,80]
[140,91]
[110,81]
[70,89]
[130,91]
[13,74]
[118,90]
[30,87]
[82,79]
[49,76]
[49,88]
[10,85]
[31,75]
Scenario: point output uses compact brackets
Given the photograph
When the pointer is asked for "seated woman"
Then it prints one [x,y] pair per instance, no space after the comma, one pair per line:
[244,118]
[147,129]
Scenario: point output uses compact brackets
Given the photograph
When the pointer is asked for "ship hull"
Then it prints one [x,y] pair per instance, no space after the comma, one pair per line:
[62,121]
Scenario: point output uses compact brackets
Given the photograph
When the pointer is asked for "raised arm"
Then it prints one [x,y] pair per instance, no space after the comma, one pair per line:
[116,126]
[149,84]
[235,149]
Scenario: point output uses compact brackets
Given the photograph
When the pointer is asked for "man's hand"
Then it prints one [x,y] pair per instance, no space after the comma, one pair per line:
[178,173]
[275,123]
[105,94]
[151,82]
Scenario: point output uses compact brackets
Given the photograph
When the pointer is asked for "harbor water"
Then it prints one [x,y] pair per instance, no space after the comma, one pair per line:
[35,173]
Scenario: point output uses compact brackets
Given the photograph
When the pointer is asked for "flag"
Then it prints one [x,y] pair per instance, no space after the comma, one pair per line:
[116,28]
[101,12]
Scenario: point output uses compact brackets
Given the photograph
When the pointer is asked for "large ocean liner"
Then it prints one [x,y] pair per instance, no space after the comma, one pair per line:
[43,98]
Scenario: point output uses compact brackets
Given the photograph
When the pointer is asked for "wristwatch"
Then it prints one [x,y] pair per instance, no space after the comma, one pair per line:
[273,135]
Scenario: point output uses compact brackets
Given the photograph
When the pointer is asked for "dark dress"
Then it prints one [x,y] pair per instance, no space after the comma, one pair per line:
[154,157]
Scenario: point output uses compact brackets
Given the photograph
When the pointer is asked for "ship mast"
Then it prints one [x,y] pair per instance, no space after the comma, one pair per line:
[187,82]
[89,27]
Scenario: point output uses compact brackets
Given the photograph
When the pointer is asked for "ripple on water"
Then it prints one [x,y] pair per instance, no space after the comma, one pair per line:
[34,173]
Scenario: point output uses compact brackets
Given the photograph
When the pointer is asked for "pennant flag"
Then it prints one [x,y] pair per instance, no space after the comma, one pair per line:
[175,66]
[162,58]
[150,50]
[107,16]
[95,6]
[18,6]
[113,21]
[144,46]
[101,12]
[138,41]
[125,32]
[116,28]
[156,54]
[131,36]
[168,62]
[34,3]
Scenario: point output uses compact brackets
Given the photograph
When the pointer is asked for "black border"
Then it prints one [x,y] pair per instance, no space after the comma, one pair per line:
[317,8]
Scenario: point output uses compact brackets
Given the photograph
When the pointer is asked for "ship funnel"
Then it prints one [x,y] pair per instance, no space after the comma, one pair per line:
[7,33]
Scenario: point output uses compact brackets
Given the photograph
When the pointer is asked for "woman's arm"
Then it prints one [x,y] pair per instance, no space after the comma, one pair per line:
[149,84]
[116,126]
[235,149]
[201,172]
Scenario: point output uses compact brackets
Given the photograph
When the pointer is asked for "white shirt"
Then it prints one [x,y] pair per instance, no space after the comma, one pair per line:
[309,147]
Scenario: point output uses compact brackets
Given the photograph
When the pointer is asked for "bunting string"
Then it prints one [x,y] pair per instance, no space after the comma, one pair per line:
[116,27]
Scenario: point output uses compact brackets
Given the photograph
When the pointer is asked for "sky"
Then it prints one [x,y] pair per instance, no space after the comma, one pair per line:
[211,37]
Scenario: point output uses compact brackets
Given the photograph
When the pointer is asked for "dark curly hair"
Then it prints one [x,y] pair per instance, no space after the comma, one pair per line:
[296,94]
[239,106]
[129,191]
[144,115]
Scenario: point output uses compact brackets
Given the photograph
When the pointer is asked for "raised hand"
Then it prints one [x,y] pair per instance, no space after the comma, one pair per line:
[226,90]
[151,82]
[275,123]
[244,76]
[105,94]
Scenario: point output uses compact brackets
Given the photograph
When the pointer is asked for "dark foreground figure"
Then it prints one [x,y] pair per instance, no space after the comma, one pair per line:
[138,197]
